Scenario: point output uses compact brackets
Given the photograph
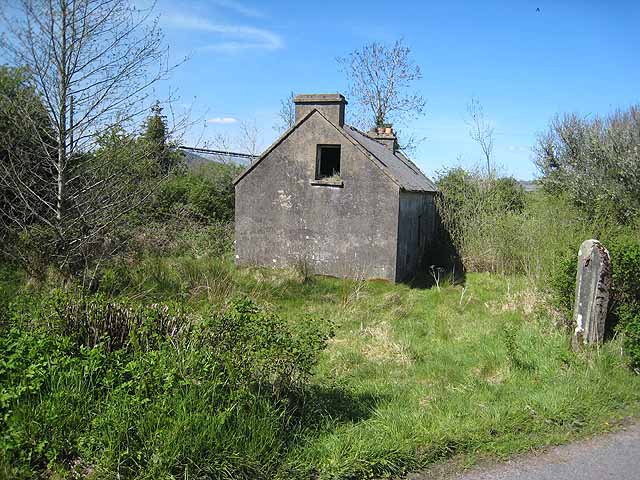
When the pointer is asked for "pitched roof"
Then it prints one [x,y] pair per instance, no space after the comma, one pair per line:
[396,165]
[400,168]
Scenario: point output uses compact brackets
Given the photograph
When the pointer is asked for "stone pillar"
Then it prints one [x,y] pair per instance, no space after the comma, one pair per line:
[593,284]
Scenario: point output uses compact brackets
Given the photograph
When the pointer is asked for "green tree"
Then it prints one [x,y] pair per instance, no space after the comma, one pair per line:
[92,62]
[595,162]
[25,137]
[155,139]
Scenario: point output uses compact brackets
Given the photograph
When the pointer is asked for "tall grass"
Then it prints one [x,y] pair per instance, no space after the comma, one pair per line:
[412,376]
[496,227]
[444,377]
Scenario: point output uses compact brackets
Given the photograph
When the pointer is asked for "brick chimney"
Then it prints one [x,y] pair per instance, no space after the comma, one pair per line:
[385,135]
[331,105]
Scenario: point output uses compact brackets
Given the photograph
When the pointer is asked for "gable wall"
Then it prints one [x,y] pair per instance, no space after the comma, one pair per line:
[283,220]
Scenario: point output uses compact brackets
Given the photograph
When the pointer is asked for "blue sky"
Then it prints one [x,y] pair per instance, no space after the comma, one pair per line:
[524,66]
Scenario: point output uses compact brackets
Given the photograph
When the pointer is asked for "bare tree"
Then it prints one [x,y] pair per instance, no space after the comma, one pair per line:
[481,131]
[92,62]
[249,139]
[286,115]
[380,80]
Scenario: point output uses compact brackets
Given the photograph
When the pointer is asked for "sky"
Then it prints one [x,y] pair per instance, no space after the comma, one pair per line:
[525,66]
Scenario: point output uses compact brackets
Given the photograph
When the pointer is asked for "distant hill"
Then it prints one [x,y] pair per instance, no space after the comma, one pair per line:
[530,185]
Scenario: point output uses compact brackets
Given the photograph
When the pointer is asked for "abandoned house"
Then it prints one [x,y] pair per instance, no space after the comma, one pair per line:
[334,200]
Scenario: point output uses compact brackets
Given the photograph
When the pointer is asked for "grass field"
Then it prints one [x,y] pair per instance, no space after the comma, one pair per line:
[416,375]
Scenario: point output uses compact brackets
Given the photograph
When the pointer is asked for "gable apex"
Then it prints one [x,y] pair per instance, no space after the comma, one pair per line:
[277,142]
[289,131]
[395,165]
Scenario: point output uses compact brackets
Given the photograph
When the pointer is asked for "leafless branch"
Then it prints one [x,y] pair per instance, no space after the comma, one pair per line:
[91,64]
[286,114]
[380,81]
[481,131]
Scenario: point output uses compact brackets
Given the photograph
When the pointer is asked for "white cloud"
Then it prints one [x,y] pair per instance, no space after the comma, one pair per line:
[222,120]
[229,38]
[239,8]
[518,148]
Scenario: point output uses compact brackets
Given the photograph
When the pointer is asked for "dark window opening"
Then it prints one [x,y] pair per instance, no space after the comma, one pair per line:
[328,161]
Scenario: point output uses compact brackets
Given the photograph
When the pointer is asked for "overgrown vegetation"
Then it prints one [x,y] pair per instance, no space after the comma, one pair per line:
[594,162]
[101,388]
[589,191]
[169,362]
[85,71]
[133,348]
[104,386]
[204,193]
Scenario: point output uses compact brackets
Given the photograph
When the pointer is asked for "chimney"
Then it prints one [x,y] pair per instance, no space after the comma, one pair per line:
[385,135]
[331,105]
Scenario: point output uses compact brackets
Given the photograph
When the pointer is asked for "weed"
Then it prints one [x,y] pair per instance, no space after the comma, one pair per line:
[412,376]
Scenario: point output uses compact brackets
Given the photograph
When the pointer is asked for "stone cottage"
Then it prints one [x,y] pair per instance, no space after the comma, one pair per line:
[335,200]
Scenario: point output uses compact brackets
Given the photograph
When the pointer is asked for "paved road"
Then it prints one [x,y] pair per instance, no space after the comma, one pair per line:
[613,456]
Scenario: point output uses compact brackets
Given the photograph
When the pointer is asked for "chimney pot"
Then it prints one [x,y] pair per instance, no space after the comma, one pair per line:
[385,135]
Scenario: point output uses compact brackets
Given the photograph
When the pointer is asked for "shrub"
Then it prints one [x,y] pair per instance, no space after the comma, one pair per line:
[484,218]
[10,282]
[625,266]
[509,194]
[256,346]
[629,326]
[624,303]
[205,192]
[625,258]
[176,236]
[93,386]
[594,162]
[562,282]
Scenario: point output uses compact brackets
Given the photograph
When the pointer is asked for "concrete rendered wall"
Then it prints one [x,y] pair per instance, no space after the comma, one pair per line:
[416,232]
[282,219]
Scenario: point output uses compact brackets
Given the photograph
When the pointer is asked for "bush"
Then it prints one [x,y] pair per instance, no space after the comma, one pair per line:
[594,162]
[10,282]
[485,218]
[624,303]
[562,283]
[629,326]
[625,266]
[625,257]
[206,193]
[178,236]
[92,386]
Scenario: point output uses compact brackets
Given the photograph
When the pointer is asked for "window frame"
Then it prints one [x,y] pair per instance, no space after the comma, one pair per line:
[319,149]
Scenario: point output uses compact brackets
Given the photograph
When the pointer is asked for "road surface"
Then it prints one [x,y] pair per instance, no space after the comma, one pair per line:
[611,456]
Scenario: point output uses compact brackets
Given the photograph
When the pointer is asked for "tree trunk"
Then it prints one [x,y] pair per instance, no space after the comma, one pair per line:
[62,121]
